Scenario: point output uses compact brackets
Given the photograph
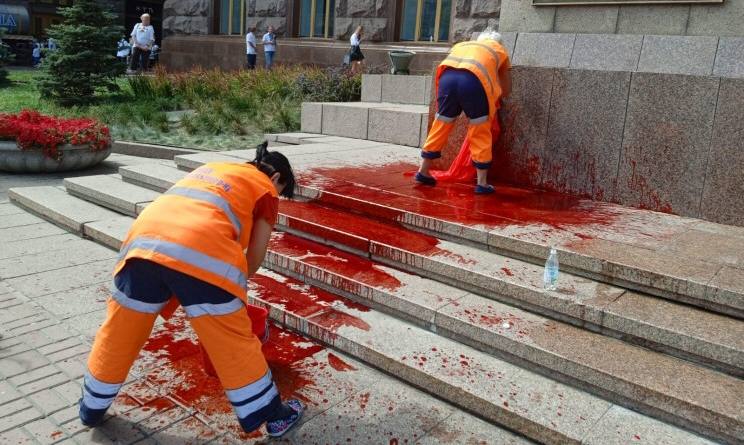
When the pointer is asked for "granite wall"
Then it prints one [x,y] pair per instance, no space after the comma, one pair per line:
[722,19]
[186,17]
[646,121]
[262,13]
[374,15]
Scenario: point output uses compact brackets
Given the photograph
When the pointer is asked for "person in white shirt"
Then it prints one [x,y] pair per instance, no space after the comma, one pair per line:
[355,54]
[143,37]
[269,42]
[250,47]
[122,50]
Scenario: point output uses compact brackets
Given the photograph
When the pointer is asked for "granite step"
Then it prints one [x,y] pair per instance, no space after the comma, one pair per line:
[680,259]
[396,89]
[111,192]
[528,403]
[514,281]
[694,334]
[612,369]
[403,124]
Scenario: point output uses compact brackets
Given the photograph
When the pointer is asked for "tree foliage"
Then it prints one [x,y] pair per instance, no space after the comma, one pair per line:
[85,61]
[6,57]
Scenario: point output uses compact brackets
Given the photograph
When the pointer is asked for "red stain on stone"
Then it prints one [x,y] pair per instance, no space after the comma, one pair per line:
[338,364]
[637,437]
[393,441]
[182,376]
[334,260]
[363,400]
[55,435]
[507,271]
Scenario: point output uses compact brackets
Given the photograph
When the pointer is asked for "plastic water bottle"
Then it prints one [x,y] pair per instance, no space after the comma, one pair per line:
[550,275]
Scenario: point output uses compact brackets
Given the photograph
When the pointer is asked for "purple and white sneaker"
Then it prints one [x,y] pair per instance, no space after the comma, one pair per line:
[277,428]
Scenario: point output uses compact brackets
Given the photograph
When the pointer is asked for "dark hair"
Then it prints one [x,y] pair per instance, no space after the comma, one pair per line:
[270,162]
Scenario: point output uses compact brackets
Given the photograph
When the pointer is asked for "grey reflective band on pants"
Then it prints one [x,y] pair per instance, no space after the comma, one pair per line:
[136,305]
[478,120]
[202,195]
[198,310]
[188,256]
[439,117]
[476,63]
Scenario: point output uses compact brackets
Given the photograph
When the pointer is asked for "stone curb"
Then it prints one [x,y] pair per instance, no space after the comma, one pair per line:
[153,151]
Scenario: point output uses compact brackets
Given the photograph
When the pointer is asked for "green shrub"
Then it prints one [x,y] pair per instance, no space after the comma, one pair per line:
[85,61]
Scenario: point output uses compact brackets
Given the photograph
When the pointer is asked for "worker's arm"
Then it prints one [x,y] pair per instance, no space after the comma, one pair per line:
[260,237]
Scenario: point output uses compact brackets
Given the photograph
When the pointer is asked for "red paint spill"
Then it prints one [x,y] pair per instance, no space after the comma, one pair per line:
[357,231]
[334,260]
[182,376]
[298,298]
[507,271]
[56,434]
[385,198]
[393,441]
[506,404]
[338,364]
[637,437]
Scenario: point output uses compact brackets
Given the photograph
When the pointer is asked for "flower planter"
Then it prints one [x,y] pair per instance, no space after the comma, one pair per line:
[74,157]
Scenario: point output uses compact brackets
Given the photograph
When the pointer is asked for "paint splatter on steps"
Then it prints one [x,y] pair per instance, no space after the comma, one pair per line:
[180,379]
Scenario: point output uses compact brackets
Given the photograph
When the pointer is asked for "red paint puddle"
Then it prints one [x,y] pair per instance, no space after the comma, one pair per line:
[507,271]
[55,435]
[338,364]
[317,220]
[456,202]
[183,379]
[298,298]
[334,260]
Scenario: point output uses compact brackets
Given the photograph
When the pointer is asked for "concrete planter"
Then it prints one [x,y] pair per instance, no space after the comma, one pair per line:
[74,157]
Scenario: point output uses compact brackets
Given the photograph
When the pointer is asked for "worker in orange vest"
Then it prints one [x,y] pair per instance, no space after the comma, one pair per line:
[473,79]
[198,244]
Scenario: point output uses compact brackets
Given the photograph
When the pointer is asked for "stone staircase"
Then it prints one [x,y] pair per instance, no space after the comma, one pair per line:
[642,342]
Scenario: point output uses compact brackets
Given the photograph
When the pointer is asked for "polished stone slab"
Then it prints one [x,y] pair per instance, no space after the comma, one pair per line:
[723,195]
[580,19]
[578,159]
[693,55]
[111,192]
[371,88]
[394,126]
[311,117]
[544,50]
[724,19]
[663,162]
[157,177]
[517,15]
[730,57]
[606,52]
[653,19]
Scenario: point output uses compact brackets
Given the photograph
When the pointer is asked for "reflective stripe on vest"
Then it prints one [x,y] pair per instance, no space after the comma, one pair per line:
[214,199]
[480,66]
[188,256]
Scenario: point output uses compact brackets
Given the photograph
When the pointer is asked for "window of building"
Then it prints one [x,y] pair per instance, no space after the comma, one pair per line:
[425,20]
[316,18]
[231,16]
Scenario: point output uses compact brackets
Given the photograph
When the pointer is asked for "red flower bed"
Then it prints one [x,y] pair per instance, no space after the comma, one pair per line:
[34,131]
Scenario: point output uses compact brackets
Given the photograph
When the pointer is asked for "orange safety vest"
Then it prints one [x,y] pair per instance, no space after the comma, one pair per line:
[485,60]
[202,225]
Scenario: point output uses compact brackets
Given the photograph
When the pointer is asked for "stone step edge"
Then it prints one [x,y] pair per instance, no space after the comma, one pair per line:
[107,240]
[465,399]
[518,249]
[675,343]
[624,331]
[524,355]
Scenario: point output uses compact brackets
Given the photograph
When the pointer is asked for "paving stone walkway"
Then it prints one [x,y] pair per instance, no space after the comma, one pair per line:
[53,290]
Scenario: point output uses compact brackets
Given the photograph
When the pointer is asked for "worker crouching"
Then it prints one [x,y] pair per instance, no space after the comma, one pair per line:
[472,79]
[197,245]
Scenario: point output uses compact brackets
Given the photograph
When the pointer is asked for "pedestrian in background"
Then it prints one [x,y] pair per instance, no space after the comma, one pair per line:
[250,47]
[355,56]
[36,54]
[269,42]
[143,37]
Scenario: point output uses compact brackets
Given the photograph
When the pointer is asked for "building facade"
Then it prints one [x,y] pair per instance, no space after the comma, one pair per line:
[416,21]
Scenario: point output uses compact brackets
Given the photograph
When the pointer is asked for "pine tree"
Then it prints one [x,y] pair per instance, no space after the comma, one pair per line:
[5,57]
[85,60]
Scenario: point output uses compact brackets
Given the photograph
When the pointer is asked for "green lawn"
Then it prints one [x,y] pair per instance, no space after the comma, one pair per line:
[231,110]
